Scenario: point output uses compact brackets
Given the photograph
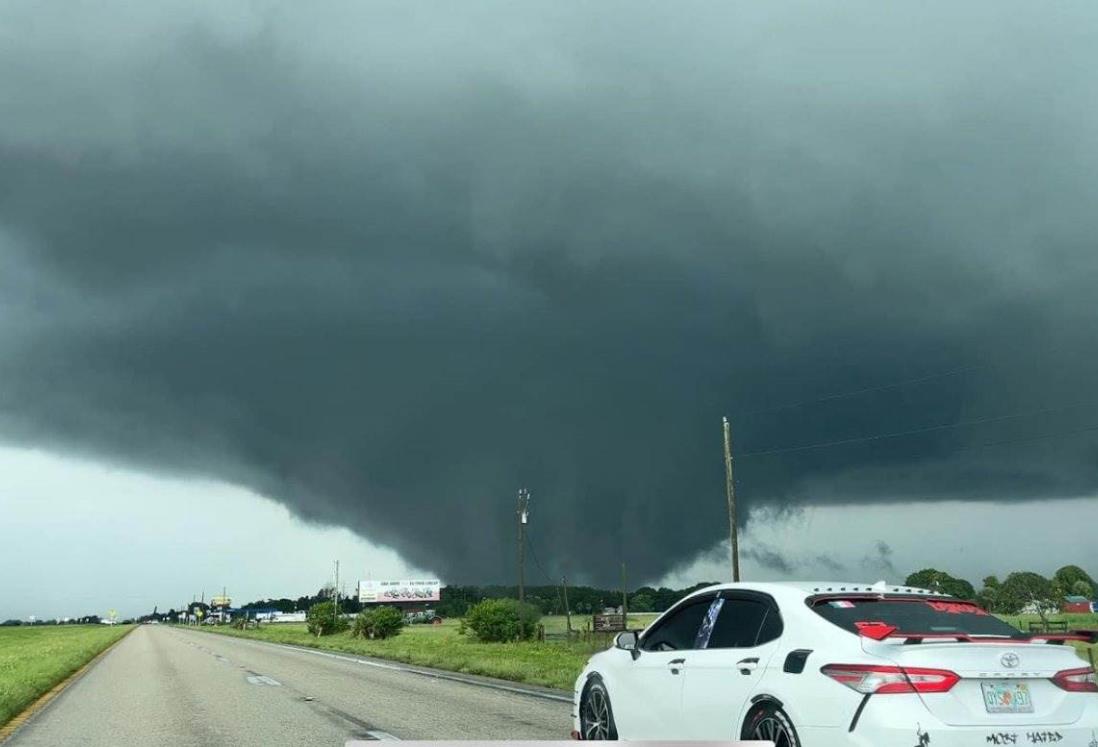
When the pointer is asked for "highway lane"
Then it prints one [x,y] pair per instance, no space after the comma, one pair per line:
[172,685]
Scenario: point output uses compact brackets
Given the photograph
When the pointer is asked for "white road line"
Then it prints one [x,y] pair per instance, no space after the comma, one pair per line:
[420,672]
[262,679]
[384,736]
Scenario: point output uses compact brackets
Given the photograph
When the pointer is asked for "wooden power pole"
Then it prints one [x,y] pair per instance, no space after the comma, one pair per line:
[730,491]
[567,612]
[335,597]
[523,514]
[624,600]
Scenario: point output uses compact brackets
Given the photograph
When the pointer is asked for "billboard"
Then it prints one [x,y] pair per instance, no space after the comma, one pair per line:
[429,590]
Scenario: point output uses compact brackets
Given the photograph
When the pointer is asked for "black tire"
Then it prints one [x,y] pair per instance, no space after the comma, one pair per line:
[596,714]
[769,721]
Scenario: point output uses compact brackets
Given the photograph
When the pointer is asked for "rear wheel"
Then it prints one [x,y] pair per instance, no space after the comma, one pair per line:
[770,722]
[596,715]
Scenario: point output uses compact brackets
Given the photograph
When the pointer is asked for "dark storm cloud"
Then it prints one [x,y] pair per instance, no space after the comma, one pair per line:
[826,564]
[880,559]
[387,265]
[768,557]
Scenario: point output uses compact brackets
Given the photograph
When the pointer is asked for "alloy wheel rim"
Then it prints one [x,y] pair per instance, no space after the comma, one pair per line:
[773,730]
[596,716]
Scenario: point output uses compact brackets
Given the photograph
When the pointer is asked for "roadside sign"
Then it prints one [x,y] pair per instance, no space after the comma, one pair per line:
[419,590]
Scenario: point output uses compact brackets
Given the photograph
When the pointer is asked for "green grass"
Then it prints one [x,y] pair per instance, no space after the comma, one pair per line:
[35,658]
[553,663]
[557,624]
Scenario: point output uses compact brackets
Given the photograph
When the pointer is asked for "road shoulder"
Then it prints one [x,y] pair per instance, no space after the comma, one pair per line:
[20,720]
[520,688]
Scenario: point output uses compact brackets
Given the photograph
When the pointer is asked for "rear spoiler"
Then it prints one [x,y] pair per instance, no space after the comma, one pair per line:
[879,631]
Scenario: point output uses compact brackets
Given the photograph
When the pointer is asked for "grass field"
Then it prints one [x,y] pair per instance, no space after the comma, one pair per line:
[35,658]
[554,663]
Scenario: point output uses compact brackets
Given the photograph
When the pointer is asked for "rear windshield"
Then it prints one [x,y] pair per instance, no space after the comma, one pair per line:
[913,616]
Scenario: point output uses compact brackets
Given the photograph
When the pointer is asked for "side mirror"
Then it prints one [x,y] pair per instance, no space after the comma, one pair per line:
[627,641]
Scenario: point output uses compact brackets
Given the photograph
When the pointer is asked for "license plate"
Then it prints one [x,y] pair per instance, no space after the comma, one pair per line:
[1007,697]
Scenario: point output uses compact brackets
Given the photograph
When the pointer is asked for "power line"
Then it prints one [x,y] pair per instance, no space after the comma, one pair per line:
[1052,350]
[1024,439]
[866,390]
[914,431]
[534,555]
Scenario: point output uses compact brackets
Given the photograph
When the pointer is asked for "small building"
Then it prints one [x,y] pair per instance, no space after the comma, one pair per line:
[1074,603]
[286,617]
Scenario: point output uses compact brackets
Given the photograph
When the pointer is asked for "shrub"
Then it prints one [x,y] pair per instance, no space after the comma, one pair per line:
[379,622]
[322,620]
[503,620]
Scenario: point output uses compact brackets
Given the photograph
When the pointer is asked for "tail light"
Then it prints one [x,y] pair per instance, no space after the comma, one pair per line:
[884,680]
[1080,680]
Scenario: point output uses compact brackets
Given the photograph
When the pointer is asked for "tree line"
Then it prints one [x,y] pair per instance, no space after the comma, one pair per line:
[1019,591]
[456,600]
[85,620]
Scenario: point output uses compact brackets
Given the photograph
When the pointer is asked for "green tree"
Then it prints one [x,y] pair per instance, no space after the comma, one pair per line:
[927,578]
[503,620]
[1082,588]
[642,602]
[935,580]
[1069,575]
[321,619]
[1025,589]
[379,622]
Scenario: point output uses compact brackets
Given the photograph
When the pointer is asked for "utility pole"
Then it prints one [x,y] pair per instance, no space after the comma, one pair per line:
[523,514]
[730,490]
[335,594]
[567,611]
[624,599]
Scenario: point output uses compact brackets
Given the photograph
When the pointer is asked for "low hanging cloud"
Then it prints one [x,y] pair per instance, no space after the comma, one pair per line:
[387,266]
[880,559]
[768,558]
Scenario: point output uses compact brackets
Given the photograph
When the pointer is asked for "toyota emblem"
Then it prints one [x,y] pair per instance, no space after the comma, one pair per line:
[1009,660]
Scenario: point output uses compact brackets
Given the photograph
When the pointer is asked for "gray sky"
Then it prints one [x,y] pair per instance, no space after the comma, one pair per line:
[384,263]
[128,541]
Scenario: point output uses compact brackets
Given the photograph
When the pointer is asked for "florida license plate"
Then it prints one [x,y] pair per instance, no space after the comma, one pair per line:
[1007,697]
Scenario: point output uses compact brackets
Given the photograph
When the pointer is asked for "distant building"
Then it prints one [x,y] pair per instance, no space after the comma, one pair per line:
[1033,608]
[286,617]
[1074,603]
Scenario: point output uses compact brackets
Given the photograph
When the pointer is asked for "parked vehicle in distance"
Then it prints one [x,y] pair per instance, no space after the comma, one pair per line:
[822,664]
[429,617]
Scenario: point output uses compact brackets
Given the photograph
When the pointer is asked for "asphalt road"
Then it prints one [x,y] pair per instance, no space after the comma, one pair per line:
[166,685]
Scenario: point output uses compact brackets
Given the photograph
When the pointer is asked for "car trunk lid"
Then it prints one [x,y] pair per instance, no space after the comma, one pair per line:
[1002,682]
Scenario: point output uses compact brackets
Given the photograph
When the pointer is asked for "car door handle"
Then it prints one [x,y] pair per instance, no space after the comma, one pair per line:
[747,666]
[675,665]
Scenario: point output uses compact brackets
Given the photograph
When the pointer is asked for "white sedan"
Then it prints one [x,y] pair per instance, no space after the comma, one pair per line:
[821,664]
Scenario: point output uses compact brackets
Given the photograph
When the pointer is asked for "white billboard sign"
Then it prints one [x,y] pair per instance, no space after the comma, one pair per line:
[429,590]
